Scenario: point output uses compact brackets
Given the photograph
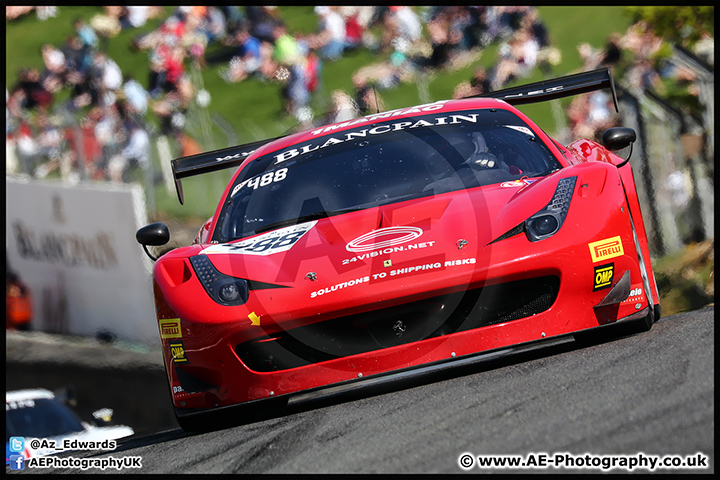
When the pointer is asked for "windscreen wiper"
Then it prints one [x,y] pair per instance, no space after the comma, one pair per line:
[304,218]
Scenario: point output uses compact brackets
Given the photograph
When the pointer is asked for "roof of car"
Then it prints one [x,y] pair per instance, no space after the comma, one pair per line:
[30,393]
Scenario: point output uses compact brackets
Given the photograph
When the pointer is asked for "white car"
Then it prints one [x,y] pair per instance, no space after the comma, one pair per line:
[36,414]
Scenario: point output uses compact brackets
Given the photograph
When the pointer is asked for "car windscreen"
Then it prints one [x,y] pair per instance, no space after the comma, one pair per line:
[40,418]
[381,163]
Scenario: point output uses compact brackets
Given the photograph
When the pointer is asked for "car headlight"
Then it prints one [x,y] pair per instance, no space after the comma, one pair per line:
[548,221]
[222,288]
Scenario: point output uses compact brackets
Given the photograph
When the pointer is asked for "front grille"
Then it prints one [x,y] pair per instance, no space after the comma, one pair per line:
[400,325]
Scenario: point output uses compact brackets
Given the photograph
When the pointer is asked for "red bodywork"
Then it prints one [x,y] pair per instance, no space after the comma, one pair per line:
[450,247]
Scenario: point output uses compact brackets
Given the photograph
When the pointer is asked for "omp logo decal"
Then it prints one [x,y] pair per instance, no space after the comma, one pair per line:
[603,276]
[390,236]
[272,242]
[170,328]
[604,249]
[177,350]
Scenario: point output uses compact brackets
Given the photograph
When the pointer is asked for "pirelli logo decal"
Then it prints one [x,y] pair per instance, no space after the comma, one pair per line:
[170,328]
[603,276]
[606,249]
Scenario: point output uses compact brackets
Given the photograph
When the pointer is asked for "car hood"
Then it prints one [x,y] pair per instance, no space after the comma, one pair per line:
[420,228]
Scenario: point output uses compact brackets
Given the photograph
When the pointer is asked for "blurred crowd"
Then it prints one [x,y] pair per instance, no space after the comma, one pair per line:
[112,136]
[639,47]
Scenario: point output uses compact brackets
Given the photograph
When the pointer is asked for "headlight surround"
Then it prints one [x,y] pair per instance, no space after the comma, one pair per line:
[547,222]
[223,289]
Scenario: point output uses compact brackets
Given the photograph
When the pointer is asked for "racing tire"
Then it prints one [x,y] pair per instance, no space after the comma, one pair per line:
[640,325]
[658,312]
[644,324]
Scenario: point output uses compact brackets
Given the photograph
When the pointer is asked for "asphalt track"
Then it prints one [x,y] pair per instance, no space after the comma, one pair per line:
[638,397]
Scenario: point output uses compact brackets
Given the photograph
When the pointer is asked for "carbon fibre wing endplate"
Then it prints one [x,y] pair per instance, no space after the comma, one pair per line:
[211,161]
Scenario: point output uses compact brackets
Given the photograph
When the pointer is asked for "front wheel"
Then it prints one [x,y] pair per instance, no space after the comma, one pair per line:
[646,323]
[640,325]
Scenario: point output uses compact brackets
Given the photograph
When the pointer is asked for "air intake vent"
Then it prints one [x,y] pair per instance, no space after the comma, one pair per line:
[400,325]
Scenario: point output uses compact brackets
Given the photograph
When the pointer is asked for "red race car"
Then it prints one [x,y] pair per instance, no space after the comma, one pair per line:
[399,242]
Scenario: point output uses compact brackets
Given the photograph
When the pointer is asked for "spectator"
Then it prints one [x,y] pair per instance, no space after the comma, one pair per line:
[354,30]
[170,110]
[234,17]
[641,40]
[285,48]
[330,42]
[443,39]
[14,12]
[157,79]
[18,303]
[705,48]
[247,59]
[45,12]
[517,59]
[641,75]
[86,33]
[510,18]
[490,19]
[195,37]
[263,20]
[404,23]
[32,93]
[532,22]
[85,152]
[367,100]
[612,54]
[478,84]
[110,78]
[136,153]
[386,74]
[27,147]
[295,93]
[174,64]
[214,25]
[591,114]
[54,74]
[49,140]
[136,96]
[342,108]
[107,25]
[459,23]
[78,59]
[138,15]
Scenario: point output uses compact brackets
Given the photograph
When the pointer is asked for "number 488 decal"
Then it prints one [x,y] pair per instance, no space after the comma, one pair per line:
[262,180]
[267,178]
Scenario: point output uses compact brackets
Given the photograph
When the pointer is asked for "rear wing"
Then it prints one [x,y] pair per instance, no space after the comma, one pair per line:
[531,93]
[556,88]
[211,161]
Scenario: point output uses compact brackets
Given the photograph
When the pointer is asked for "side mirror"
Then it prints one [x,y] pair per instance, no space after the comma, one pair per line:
[155,234]
[618,138]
